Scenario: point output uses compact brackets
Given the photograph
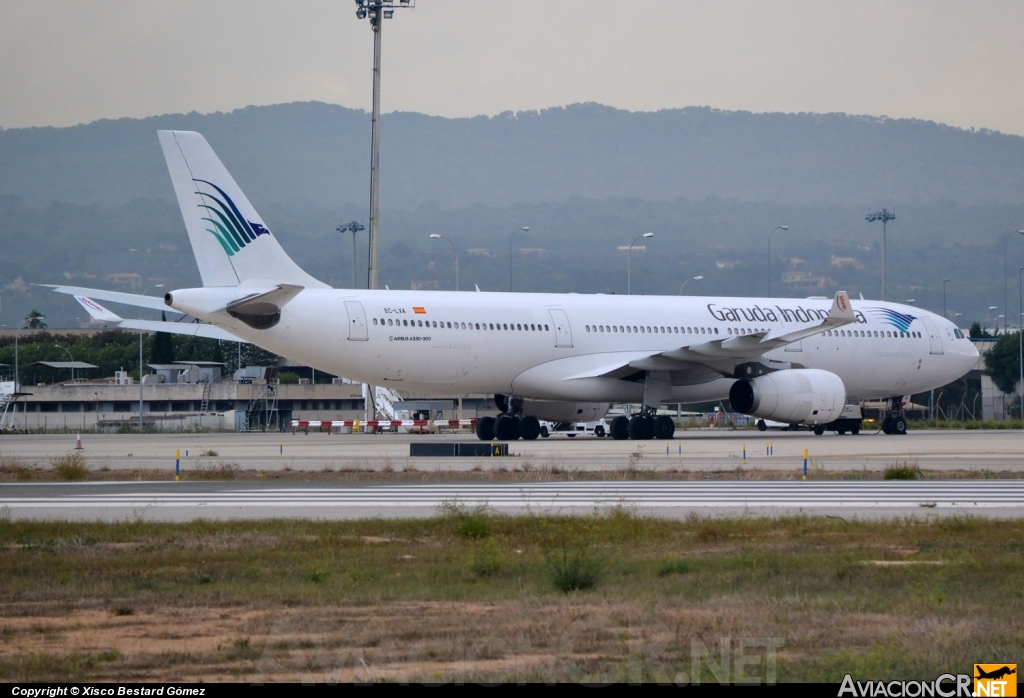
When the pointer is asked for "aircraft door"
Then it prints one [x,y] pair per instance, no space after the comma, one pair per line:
[563,333]
[934,339]
[356,321]
[795,346]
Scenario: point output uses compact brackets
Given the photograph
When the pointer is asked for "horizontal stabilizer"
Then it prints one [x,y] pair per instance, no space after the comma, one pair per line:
[191,329]
[132,299]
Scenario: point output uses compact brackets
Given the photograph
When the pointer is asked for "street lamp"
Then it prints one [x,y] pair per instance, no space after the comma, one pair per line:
[944,282]
[629,270]
[1020,336]
[696,278]
[911,300]
[435,236]
[1005,243]
[61,346]
[352,227]
[140,358]
[525,229]
[377,11]
[780,227]
[885,216]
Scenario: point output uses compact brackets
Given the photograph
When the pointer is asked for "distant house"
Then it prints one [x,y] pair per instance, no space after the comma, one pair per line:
[428,285]
[478,252]
[841,262]
[131,279]
[805,280]
[727,264]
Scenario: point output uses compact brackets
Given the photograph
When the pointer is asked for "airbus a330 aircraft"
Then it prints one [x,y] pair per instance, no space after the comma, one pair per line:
[557,357]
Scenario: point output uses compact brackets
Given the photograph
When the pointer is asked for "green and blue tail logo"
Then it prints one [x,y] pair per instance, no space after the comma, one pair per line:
[230,227]
[900,321]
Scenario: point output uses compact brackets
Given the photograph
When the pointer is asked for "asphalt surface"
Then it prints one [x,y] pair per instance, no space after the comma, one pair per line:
[184,501]
[691,450]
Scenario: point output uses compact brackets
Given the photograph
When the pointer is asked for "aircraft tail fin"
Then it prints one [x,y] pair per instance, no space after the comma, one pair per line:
[229,239]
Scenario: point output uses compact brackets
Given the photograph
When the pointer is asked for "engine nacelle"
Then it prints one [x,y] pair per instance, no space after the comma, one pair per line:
[797,396]
[565,411]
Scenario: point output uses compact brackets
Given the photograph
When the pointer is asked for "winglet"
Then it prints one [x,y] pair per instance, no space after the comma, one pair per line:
[97,311]
[841,309]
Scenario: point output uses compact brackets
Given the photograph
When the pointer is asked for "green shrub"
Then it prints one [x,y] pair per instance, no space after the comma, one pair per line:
[572,562]
[473,524]
[677,567]
[70,467]
[902,471]
[486,559]
[288,378]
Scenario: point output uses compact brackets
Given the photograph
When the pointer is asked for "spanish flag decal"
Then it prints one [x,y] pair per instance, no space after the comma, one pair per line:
[419,310]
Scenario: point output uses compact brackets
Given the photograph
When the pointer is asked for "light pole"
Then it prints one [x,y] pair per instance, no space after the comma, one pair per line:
[629,263]
[778,227]
[61,346]
[524,229]
[1020,336]
[140,359]
[435,236]
[944,282]
[377,11]
[352,227]
[1006,242]
[885,216]
[696,278]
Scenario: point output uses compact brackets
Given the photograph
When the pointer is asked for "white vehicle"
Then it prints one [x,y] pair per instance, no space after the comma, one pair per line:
[546,356]
[598,428]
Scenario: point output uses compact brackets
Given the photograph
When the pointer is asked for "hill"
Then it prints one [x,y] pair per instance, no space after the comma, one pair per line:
[317,154]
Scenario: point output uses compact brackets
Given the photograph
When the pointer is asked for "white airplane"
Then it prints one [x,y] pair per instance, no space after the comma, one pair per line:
[545,356]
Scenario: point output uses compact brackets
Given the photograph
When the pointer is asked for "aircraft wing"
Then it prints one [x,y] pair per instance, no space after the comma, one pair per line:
[721,355]
[192,329]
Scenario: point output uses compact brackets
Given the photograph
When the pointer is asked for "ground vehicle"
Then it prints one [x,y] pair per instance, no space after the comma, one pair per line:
[571,429]
[850,420]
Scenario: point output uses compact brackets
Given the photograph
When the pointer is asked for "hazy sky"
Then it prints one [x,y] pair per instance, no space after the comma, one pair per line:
[961,63]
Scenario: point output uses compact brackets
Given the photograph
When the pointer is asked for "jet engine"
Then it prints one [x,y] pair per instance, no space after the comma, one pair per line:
[797,396]
[565,411]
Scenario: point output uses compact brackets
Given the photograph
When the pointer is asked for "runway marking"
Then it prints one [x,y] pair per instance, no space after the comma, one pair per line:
[809,495]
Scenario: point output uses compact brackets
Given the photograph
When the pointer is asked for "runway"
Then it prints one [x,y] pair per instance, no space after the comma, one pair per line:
[691,450]
[185,501]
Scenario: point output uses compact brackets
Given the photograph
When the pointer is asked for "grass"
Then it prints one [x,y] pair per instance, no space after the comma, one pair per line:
[902,470]
[70,467]
[597,598]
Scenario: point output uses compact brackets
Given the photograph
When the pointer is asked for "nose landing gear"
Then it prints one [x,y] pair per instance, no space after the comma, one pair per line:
[895,419]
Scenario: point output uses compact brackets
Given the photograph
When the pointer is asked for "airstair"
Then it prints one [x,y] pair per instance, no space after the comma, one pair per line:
[385,399]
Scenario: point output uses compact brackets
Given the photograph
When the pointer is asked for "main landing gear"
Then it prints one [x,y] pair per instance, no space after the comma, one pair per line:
[894,420]
[509,426]
[642,427]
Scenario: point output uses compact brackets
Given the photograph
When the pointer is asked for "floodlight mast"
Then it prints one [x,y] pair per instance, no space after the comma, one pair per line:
[377,11]
[885,216]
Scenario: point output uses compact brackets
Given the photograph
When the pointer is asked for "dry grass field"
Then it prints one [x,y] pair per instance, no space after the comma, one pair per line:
[470,596]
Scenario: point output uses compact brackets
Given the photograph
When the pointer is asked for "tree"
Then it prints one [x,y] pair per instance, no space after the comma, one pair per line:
[163,346]
[35,320]
[977,331]
[1002,362]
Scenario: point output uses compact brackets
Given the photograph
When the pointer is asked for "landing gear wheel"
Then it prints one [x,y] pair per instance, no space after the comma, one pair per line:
[485,428]
[855,430]
[599,431]
[544,432]
[663,427]
[529,428]
[761,426]
[641,427]
[620,428]
[819,430]
[506,429]
[899,426]
[842,432]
